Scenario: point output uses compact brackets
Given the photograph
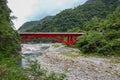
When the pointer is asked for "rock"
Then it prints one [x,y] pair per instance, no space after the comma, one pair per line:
[80,68]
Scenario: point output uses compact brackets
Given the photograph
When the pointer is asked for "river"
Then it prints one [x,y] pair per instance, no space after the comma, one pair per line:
[32,52]
[77,67]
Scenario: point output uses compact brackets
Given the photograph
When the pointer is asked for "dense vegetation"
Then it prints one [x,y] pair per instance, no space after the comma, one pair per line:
[70,18]
[10,59]
[31,24]
[9,43]
[101,35]
[98,19]
[27,25]
[9,40]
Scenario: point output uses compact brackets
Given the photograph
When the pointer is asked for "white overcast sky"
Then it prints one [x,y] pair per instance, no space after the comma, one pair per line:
[30,10]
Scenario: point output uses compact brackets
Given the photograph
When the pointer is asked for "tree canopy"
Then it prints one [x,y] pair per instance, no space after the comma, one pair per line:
[98,19]
[9,40]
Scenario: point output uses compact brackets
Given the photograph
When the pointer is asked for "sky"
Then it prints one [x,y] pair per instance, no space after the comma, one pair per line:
[31,10]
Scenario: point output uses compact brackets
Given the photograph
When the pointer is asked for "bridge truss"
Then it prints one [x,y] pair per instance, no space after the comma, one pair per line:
[65,38]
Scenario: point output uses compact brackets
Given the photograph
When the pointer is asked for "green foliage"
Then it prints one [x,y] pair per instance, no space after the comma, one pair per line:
[111,35]
[115,44]
[112,21]
[91,42]
[105,50]
[98,19]
[9,47]
[28,25]
[75,29]
[10,71]
[37,73]
[103,40]
[93,24]
[9,39]
[77,17]
[113,47]
[11,74]
[31,24]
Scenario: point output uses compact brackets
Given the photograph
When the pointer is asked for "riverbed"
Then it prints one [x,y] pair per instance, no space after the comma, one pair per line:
[52,57]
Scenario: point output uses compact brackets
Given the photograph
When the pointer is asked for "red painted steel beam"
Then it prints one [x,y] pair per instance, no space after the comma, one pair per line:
[71,37]
[49,33]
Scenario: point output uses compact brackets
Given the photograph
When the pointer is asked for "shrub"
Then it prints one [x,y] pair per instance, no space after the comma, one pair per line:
[36,72]
[106,50]
[112,47]
[112,35]
[116,45]
[12,72]
[33,72]
[89,48]
[91,42]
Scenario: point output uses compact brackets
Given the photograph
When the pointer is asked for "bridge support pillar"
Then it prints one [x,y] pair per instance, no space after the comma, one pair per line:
[71,40]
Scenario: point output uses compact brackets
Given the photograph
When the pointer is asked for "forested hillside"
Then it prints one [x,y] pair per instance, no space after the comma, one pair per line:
[98,19]
[70,18]
[28,25]
[31,24]
[9,40]
[101,35]
[10,64]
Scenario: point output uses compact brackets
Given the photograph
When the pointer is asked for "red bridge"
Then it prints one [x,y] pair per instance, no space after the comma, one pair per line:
[66,38]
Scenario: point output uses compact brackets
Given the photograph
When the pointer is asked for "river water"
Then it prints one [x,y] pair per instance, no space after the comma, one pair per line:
[78,68]
[31,52]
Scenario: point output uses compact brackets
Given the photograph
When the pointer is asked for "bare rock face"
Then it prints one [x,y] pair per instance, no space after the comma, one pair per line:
[77,68]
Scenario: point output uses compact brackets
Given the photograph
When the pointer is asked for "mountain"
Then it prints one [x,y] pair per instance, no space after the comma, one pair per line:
[101,35]
[31,24]
[98,19]
[90,1]
[46,18]
[77,17]
[28,25]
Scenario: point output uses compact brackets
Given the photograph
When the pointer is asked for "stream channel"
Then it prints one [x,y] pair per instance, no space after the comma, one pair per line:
[52,58]
[31,52]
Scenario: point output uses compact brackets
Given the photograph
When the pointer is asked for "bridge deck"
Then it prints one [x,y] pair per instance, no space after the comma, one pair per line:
[48,33]
[59,36]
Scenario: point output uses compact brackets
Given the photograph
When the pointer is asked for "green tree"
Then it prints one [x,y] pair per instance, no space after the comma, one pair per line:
[9,40]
